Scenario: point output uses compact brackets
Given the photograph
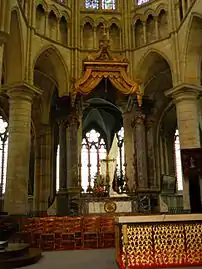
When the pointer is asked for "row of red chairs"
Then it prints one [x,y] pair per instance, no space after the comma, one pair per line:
[61,233]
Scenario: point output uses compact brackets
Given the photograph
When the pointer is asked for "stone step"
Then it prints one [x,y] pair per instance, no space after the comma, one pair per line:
[32,256]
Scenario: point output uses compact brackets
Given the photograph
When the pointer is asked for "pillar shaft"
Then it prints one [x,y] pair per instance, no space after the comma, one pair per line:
[63,155]
[152,179]
[73,154]
[44,176]
[140,142]
[185,99]
[129,150]
[16,194]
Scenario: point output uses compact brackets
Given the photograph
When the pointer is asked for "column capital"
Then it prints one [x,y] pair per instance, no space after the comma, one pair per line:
[21,91]
[184,92]
[139,118]
[73,119]
[63,122]
[150,123]
[3,37]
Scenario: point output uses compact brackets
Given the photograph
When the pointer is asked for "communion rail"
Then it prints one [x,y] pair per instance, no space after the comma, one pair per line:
[159,241]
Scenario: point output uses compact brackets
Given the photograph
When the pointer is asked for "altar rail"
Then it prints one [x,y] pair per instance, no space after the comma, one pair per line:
[63,233]
[159,241]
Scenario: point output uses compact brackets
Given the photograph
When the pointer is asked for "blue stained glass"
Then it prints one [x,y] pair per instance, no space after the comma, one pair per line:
[108,4]
[93,4]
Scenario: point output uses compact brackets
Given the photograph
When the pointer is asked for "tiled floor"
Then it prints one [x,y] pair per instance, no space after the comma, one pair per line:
[78,259]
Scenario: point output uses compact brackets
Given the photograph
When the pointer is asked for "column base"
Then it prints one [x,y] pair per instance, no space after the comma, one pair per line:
[62,203]
[74,200]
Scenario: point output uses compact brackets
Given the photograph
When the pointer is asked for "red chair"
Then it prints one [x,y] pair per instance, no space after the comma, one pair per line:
[90,234]
[47,241]
[107,232]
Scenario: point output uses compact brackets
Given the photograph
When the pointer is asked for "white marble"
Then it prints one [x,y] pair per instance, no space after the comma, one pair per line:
[158,218]
[163,205]
[121,207]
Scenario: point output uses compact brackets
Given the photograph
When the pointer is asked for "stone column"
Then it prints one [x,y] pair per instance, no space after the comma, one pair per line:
[63,156]
[141,156]
[73,154]
[44,176]
[152,178]
[20,106]
[129,150]
[185,99]
[62,196]
[5,18]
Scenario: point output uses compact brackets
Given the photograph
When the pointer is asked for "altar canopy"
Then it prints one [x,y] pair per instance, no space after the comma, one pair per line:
[103,65]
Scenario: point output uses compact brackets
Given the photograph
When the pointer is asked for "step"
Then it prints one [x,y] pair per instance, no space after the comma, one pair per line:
[32,256]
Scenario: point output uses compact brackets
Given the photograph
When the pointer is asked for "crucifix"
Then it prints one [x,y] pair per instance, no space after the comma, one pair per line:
[107,161]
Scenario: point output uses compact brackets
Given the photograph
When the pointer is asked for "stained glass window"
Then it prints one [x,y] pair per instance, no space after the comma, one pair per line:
[58,169]
[108,4]
[140,2]
[178,163]
[3,153]
[92,152]
[104,4]
[92,4]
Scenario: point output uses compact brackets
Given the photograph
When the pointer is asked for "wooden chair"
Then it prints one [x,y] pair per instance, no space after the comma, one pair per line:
[90,234]
[78,222]
[47,241]
[68,236]
[107,232]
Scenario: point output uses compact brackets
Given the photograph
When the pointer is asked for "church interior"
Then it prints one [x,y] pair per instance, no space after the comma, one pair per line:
[101,130]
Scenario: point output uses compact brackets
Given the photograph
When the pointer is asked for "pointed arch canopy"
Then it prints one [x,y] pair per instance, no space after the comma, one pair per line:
[103,65]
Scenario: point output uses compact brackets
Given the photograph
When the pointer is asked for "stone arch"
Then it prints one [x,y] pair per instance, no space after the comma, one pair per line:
[52,25]
[148,12]
[55,10]
[147,61]
[114,21]
[100,21]
[164,141]
[114,32]
[15,72]
[63,30]
[88,41]
[163,23]
[43,4]
[40,19]
[192,50]
[87,20]
[53,65]
[150,29]
[139,33]
[137,17]
[160,8]
[66,16]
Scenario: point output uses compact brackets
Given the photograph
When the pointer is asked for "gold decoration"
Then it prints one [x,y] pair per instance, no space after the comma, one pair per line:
[110,207]
[104,65]
[161,245]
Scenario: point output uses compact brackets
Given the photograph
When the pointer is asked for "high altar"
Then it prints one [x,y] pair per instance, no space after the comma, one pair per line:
[122,184]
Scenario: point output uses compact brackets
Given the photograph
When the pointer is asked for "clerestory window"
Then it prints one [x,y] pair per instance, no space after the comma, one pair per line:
[103,4]
[140,2]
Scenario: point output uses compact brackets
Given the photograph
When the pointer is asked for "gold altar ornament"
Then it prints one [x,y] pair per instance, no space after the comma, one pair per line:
[104,65]
[110,207]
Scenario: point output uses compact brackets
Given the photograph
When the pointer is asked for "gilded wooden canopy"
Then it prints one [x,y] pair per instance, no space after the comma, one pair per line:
[101,66]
